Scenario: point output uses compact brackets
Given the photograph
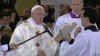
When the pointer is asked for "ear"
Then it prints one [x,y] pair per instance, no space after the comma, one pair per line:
[86,19]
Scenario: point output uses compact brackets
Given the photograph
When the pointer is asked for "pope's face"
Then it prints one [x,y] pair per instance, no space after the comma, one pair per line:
[39,15]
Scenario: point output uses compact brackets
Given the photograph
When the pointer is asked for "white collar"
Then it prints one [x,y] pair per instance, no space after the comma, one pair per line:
[75,14]
[32,22]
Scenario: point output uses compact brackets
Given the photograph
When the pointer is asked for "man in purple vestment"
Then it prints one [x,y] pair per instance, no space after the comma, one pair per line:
[70,18]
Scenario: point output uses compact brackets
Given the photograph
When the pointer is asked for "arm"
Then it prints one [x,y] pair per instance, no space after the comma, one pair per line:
[57,26]
[78,48]
[64,47]
[17,38]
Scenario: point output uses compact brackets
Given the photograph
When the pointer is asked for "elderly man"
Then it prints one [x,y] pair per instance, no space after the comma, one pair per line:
[42,45]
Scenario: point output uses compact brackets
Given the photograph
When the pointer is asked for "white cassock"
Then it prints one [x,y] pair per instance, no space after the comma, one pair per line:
[27,30]
[3,48]
[80,47]
[1,54]
[94,38]
[66,19]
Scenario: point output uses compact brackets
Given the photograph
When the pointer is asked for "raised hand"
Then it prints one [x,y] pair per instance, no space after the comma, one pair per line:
[68,37]
[13,46]
[77,31]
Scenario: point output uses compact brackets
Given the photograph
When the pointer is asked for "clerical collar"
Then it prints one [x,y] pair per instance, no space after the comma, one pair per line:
[92,28]
[73,15]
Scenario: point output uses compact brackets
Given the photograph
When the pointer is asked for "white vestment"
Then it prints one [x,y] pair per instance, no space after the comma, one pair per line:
[80,47]
[87,41]
[3,48]
[27,30]
[66,19]
[94,38]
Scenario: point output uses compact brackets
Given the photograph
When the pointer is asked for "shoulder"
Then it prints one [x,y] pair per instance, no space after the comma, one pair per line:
[84,34]
[22,25]
[63,16]
[4,47]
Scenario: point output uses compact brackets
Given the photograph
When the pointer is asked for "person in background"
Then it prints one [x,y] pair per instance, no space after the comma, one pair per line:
[98,10]
[14,19]
[87,42]
[50,19]
[26,15]
[64,9]
[73,16]
[4,44]
[6,18]
[2,21]
[5,30]
[70,18]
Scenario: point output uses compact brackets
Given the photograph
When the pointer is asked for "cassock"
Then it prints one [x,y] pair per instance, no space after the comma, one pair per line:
[86,44]
[3,48]
[1,53]
[67,18]
[80,47]
[28,30]
[93,34]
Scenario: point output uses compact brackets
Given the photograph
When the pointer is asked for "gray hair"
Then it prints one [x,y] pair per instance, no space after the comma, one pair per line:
[36,7]
[69,1]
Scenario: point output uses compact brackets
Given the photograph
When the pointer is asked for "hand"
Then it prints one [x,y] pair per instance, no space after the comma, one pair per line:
[13,46]
[41,53]
[77,31]
[68,37]
[57,39]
